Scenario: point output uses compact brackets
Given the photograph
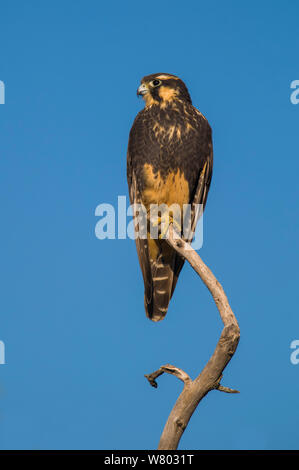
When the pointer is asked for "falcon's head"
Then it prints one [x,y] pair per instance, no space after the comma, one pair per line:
[162,89]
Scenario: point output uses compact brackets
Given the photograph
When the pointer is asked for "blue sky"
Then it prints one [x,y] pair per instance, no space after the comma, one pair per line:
[77,341]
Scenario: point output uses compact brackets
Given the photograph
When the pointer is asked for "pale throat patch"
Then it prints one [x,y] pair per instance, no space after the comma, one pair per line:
[149,100]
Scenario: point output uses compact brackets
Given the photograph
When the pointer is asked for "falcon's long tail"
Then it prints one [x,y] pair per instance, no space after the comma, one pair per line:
[164,278]
[156,306]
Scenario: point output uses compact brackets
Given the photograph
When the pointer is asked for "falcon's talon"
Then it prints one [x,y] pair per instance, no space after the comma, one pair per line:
[165,220]
[167,223]
[157,222]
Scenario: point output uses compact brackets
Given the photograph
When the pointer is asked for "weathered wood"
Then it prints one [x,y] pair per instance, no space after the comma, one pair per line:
[209,379]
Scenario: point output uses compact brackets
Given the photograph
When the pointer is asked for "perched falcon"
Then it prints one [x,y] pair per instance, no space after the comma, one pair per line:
[169,161]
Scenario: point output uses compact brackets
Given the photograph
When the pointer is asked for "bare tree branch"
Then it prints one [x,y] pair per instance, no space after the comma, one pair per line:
[210,377]
[169,369]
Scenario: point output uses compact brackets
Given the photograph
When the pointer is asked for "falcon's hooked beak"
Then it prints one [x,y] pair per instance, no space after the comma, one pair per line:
[142,90]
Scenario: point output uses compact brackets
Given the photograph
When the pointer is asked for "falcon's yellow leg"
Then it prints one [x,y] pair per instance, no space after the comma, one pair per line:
[165,220]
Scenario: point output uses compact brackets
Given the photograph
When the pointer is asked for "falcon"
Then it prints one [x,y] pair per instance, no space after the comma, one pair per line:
[169,161]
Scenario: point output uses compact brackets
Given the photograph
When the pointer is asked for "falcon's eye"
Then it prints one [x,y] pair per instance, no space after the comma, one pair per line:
[156,83]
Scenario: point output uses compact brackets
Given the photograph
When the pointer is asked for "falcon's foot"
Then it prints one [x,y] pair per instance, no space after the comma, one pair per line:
[164,222]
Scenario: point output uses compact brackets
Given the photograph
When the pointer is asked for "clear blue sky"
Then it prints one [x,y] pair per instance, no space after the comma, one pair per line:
[71,306]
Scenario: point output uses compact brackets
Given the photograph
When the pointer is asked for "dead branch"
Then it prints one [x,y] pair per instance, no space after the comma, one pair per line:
[209,379]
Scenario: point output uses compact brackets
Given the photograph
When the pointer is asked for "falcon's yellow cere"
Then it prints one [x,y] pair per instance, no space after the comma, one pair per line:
[169,161]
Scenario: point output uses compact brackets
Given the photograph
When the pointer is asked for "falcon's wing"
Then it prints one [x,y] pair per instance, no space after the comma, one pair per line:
[200,196]
[141,244]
